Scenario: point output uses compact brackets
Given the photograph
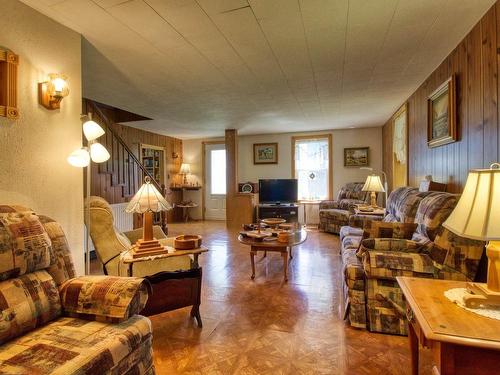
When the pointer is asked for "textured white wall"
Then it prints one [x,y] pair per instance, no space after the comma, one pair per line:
[363,137]
[33,149]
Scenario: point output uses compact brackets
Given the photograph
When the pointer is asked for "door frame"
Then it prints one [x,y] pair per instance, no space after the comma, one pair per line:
[204,172]
[327,136]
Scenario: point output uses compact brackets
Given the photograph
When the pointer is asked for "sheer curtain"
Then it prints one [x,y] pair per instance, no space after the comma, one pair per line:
[311,168]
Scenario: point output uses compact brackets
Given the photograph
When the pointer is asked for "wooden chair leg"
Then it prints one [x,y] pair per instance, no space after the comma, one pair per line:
[195,313]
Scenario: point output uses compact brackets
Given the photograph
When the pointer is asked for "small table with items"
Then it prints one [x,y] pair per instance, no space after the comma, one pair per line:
[463,342]
[271,243]
[367,210]
[185,210]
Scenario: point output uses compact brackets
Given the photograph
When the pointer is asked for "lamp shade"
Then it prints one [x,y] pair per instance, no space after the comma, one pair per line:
[79,158]
[477,213]
[373,183]
[98,153]
[92,130]
[147,199]
[185,169]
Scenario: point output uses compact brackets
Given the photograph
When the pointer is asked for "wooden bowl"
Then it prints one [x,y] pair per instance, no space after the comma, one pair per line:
[187,242]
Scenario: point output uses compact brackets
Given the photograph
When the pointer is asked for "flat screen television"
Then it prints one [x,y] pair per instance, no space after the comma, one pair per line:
[278,191]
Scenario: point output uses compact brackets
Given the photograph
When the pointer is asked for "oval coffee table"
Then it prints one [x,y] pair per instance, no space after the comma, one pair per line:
[273,245]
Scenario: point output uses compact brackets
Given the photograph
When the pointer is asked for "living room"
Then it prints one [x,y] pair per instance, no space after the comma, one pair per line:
[249,187]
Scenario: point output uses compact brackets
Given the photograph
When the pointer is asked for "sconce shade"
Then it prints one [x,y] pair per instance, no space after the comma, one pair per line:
[98,153]
[185,169]
[52,92]
[79,158]
[477,213]
[373,183]
[148,199]
[92,130]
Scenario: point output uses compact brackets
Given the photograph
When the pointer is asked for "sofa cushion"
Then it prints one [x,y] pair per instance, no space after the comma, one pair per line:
[433,210]
[27,302]
[458,253]
[380,229]
[76,346]
[104,298]
[350,231]
[62,269]
[24,244]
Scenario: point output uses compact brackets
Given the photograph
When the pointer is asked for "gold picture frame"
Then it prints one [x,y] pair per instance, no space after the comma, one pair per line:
[265,153]
[441,114]
[356,157]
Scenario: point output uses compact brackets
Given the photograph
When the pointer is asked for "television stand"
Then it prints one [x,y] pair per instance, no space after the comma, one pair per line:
[288,211]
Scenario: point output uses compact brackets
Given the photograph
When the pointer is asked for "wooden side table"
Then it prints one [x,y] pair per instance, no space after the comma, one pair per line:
[185,210]
[462,342]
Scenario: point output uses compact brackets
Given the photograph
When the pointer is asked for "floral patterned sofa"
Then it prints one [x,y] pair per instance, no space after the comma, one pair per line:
[335,214]
[52,322]
[373,297]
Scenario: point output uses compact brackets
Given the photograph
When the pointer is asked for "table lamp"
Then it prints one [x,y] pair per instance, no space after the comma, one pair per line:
[146,201]
[477,216]
[184,171]
[373,185]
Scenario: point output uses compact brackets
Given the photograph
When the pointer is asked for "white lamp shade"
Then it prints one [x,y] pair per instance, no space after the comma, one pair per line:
[92,130]
[79,158]
[477,213]
[98,153]
[373,183]
[148,198]
[185,169]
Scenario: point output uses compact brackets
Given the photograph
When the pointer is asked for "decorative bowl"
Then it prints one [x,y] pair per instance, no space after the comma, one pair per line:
[187,242]
[273,221]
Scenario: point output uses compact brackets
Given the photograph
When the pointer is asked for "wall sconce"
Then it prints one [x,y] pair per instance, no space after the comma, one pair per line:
[52,92]
[175,155]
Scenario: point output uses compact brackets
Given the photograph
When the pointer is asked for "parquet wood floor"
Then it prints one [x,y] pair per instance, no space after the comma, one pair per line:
[265,326]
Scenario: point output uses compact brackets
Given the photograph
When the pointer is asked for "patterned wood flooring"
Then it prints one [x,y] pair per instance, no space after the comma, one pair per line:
[266,326]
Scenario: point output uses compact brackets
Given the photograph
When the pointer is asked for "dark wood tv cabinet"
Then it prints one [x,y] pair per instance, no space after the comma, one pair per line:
[289,212]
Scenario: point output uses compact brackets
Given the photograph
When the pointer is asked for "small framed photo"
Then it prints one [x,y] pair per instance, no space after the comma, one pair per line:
[441,119]
[265,153]
[356,157]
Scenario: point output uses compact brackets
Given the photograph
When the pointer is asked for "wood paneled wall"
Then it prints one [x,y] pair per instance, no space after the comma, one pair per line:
[133,137]
[476,64]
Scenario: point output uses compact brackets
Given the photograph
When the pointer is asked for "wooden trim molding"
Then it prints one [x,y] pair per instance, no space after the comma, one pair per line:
[330,156]
[9,62]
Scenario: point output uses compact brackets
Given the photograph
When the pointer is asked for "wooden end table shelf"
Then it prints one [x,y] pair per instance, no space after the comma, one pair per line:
[285,248]
[462,342]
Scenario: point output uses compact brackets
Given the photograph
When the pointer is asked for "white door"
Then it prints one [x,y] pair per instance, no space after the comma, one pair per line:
[215,175]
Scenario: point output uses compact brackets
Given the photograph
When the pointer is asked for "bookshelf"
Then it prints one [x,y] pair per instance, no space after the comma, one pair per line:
[153,160]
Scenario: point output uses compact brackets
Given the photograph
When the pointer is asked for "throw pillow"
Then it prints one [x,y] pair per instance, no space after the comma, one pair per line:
[380,229]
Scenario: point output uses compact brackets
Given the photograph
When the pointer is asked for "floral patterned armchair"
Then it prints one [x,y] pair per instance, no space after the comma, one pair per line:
[55,323]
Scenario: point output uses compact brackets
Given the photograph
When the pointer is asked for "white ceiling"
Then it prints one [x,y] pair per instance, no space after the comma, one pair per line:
[197,67]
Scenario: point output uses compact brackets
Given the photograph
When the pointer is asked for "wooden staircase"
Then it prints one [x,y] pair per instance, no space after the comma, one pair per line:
[123,174]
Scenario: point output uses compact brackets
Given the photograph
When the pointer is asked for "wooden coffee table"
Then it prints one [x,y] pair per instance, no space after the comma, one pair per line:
[285,248]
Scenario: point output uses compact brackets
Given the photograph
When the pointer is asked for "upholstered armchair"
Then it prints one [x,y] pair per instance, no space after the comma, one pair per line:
[176,280]
[110,243]
[53,322]
[432,252]
[333,214]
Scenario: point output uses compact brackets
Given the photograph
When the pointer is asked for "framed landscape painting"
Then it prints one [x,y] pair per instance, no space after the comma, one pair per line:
[265,153]
[442,126]
[356,157]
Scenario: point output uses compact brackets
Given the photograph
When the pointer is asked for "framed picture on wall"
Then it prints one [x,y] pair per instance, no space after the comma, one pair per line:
[441,116]
[265,153]
[356,157]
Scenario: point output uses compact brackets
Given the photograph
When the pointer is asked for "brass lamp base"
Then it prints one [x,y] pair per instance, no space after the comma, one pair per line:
[481,295]
[487,294]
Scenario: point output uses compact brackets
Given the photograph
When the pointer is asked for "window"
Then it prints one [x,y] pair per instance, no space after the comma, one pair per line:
[218,172]
[312,166]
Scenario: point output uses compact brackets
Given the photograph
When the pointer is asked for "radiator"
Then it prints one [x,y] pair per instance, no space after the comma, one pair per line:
[124,221]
